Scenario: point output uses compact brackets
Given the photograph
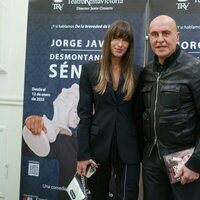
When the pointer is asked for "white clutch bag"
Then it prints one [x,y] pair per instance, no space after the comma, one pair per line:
[76,189]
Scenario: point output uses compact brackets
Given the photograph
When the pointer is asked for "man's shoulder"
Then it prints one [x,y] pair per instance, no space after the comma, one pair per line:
[187,58]
[149,65]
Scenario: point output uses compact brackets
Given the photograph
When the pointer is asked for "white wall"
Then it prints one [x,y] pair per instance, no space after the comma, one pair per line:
[13,24]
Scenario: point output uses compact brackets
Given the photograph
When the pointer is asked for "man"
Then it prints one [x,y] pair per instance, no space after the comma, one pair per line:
[171,115]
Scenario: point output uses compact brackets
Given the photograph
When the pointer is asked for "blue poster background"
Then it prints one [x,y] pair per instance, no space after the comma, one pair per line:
[61,37]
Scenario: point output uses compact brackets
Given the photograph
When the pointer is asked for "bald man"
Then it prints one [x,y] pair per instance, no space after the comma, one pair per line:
[171,115]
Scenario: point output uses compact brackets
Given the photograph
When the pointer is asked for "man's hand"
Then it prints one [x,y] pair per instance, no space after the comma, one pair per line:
[186,175]
[35,124]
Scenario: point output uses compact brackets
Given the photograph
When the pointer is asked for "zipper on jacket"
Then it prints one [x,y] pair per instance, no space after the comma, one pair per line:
[154,115]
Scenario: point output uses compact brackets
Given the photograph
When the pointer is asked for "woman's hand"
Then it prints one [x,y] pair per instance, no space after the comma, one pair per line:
[82,166]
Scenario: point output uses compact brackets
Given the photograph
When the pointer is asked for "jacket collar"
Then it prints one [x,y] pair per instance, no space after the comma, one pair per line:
[168,62]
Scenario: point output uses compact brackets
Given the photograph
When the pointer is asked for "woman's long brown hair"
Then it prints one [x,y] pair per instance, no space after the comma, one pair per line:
[118,29]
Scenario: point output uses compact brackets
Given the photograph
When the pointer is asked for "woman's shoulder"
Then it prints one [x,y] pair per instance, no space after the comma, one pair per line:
[90,68]
[91,65]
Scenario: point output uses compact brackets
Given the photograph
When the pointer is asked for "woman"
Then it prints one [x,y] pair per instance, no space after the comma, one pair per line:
[107,138]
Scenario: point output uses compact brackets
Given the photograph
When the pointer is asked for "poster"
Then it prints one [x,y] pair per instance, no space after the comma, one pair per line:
[62,35]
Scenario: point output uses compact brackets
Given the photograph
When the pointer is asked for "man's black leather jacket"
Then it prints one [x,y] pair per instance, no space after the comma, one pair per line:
[171,97]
